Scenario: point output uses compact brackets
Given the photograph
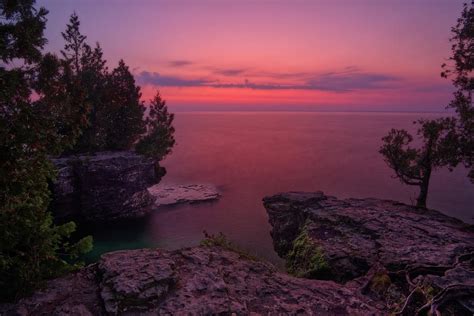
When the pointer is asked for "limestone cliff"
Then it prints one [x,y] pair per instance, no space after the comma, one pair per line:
[105,186]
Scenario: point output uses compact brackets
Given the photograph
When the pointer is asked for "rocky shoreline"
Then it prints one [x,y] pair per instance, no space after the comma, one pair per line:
[377,258]
[398,254]
[114,186]
[204,280]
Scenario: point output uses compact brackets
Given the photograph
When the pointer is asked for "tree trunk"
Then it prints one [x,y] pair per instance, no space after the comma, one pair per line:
[423,196]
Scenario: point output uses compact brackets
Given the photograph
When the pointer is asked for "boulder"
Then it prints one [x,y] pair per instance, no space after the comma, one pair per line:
[105,186]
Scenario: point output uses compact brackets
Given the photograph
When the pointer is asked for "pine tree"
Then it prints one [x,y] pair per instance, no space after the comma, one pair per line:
[85,75]
[159,138]
[115,118]
[93,77]
[65,109]
[75,43]
[123,118]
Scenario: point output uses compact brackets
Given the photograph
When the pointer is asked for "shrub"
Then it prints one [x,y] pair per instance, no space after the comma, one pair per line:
[306,259]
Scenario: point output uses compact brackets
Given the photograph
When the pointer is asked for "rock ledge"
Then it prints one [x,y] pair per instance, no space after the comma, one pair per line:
[170,194]
[382,258]
[395,249]
[194,281]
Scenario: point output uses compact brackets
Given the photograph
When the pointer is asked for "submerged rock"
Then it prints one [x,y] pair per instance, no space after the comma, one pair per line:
[393,247]
[193,281]
[105,186]
[169,194]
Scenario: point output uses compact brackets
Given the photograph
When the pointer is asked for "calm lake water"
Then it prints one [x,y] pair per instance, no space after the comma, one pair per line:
[249,155]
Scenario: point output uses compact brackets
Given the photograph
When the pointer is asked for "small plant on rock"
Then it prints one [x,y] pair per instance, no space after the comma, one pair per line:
[306,259]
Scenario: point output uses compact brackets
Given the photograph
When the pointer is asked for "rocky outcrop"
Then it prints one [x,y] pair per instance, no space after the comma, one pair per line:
[196,281]
[170,194]
[104,186]
[397,253]
[381,258]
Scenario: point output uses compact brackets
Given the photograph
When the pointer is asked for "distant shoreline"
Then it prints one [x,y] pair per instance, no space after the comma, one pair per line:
[306,111]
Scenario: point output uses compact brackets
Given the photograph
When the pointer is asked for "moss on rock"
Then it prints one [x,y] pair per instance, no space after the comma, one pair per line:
[380,283]
[306,259]
[221,240]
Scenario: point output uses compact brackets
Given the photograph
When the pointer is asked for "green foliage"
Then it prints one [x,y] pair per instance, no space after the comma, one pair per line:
[306,259]
[220,240]
[106,103]
[79,106]
[115,120]
[64,110]
[380,283]
[159,139]
[460,68]
[85,76]
[21,31]
[32,247]
[123,117]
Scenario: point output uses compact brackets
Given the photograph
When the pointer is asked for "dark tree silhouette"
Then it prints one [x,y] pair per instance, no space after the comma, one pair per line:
[115,115]
[413,166]
[75,45]
[445,142]
[32,248]
[460,67]
[22,29]
[159,138]
[64,108]
[123,116]
[85,75]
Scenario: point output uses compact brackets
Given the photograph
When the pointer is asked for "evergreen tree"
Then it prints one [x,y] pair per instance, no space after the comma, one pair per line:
[123,118]
[159,138]
[93,77]
[64,108]
[86,75]
[75,45]
[115,117]
[32,248]
[21,31]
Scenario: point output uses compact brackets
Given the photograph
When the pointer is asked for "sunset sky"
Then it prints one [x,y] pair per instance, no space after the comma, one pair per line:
[325,55]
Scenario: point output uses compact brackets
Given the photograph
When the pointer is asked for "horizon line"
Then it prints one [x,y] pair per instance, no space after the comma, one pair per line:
[312,111]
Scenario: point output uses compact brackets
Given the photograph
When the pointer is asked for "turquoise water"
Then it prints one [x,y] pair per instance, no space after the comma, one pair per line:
[249,155]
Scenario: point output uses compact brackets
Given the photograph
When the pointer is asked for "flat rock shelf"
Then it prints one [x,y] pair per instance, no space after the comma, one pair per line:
[170,194]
